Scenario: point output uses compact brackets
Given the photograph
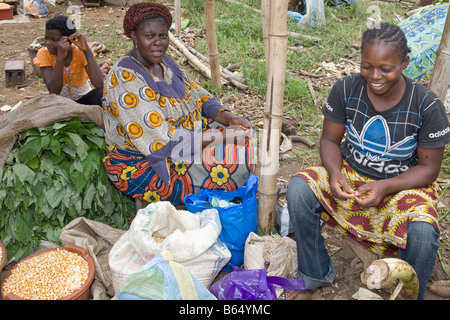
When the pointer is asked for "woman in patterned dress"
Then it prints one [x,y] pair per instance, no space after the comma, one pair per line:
[67,63]
[378,185]
[167,137]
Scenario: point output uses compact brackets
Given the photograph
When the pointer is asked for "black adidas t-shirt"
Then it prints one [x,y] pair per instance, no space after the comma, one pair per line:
[381,145]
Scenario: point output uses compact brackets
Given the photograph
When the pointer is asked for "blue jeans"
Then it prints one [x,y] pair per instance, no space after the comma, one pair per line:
[315,265]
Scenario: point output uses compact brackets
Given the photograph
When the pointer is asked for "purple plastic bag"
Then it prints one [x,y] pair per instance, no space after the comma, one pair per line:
[254,284]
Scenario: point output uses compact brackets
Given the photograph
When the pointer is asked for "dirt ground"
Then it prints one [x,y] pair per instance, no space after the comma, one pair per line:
[14,40]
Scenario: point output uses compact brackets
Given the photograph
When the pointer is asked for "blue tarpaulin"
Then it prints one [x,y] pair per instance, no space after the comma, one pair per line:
[423,31]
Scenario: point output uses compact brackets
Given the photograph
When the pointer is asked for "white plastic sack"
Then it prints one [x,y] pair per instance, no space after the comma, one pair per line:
[191,238]
[276,254]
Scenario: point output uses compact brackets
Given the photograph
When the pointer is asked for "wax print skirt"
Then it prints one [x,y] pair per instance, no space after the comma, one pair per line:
[381,229]
[225,166]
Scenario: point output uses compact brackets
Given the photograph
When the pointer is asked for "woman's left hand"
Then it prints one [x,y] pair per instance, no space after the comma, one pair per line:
[229,119]
[80,41]
[370,194]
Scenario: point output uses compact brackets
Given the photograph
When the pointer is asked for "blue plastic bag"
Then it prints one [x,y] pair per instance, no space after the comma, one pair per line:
[238,219]
[253,284]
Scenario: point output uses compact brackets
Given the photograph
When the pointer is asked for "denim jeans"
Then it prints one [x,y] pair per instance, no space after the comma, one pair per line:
[315,266]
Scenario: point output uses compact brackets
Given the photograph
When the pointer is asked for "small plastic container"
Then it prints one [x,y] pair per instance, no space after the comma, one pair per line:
[6,14]
[82,293]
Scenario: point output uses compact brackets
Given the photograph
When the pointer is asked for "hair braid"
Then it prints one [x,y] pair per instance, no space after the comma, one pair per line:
[389,33]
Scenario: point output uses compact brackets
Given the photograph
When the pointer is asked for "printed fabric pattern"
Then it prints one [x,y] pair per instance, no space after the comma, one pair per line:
[381,229]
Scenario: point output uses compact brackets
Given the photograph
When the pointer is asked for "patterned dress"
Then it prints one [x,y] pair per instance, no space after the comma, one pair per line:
[152,131]
[381,145]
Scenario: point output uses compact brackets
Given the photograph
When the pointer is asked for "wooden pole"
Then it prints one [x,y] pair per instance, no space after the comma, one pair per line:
[273,118]
[440,77]
[177,17]
[265,11]
[212,43]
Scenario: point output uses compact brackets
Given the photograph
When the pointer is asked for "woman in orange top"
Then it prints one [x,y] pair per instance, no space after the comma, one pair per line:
[67,63]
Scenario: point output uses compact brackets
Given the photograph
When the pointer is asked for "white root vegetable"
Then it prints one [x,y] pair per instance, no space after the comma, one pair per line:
[389,269]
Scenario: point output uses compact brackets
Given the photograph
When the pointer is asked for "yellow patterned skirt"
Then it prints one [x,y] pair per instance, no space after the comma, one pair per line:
[381,229]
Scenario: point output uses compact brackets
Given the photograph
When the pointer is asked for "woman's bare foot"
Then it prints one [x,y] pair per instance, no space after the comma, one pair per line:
[299,295]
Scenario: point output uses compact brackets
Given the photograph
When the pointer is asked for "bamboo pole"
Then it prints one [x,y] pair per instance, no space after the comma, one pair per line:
[177,17]
[273,118]
[212,42]
[265,11]
[440,77]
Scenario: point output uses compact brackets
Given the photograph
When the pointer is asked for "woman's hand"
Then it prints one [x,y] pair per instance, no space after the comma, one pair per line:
[63,47]
[370,194]
[93,69]
[340,188]
[235,131]
[229,119]
[80,41]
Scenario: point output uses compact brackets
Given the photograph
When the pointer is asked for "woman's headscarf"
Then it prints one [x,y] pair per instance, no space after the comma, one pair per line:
[139,11]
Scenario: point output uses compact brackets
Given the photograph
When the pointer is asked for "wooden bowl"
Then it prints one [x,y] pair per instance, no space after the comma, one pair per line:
[82,293]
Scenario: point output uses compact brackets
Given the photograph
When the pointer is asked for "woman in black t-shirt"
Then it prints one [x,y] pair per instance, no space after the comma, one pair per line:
[378,185]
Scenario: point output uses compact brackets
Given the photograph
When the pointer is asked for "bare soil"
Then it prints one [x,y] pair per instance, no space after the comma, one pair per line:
[14,40]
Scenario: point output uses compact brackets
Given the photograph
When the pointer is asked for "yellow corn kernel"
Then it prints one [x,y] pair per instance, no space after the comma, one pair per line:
[49,276]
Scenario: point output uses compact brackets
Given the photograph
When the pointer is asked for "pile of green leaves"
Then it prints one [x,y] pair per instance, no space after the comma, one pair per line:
[53,175]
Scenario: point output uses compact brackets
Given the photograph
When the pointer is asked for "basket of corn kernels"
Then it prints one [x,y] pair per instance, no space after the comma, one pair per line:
[63,273]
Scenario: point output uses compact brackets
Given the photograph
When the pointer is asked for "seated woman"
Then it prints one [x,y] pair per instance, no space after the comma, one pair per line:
[378,185]
[156,119]
[67,63]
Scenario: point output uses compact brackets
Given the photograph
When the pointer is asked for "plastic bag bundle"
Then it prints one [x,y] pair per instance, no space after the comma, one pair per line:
[237,220]
[315,14]
[163,279]
[35,8]
[276,254]
[241,284]
[192,240]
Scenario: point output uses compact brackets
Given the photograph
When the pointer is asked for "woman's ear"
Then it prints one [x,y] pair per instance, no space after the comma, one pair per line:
[133,37]
[405,63]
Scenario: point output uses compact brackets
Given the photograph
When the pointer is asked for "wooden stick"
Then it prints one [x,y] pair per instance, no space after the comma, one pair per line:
[212,43]
[177,17]
[312,91]
[303,140]
[225,72]
[242,4]
[227,76]
[267,187]
[193,61]
[441,71]
[305,36]
[265,11]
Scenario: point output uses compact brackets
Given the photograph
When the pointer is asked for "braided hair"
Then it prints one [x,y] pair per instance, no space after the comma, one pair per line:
[143,11]
[388,33]
[62,23]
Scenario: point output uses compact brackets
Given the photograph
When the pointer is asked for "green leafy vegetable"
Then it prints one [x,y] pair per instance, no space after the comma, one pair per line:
[53,175]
